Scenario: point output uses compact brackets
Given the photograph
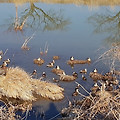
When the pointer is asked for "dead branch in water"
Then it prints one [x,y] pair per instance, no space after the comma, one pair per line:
[45,50]
[24,45]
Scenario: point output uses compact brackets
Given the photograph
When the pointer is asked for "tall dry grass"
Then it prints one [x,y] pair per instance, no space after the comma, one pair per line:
[104,105]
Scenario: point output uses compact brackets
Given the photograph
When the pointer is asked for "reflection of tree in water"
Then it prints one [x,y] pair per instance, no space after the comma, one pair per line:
[107,23]
[35,17]
[47,21]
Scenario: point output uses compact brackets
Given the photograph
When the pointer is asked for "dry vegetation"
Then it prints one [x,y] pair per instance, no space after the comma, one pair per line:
[19,84]
[77,2]
[103,103]
[18,89]
[112,56]
[8,111]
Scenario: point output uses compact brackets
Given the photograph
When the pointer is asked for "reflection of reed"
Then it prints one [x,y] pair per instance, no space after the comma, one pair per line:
[77,2]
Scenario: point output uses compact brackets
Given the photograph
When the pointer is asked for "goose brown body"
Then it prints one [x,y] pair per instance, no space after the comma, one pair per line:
[56,57]
[38,61]
[64,77]
[72,62]
[96,76]
[67,77]
[57,70]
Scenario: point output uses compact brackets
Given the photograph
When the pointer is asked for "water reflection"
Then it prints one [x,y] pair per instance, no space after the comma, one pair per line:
[107,23]
[35,17]
[50,20]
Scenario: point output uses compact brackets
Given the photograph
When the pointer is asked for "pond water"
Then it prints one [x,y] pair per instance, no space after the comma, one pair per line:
[63,29]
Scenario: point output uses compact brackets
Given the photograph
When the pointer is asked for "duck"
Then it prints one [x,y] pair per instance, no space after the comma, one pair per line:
[95,88]
[75,74]
[72,61]
[0,57]
[116,72]
[51,64]
[57,70]
[109,74]
[95,75]
[34,72]
[64,77]
[44,75]
[7,61]
[4,65]
[56,57]
[38,61]
[76,92]
[109,87]
[115,82]
[108,77]
[84,78]
[95,70]
[55,80]
[83,71]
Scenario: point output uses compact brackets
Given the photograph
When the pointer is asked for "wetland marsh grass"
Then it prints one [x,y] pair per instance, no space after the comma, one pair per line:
[104,103]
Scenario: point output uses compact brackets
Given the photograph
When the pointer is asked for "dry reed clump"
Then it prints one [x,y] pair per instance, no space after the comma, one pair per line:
[48,90]
[104,105]
[8,111]
[16,84]
[19,84]
[111,56]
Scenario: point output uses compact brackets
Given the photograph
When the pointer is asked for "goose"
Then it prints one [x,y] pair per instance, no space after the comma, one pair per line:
[38,61]
[72,61]
[57,70]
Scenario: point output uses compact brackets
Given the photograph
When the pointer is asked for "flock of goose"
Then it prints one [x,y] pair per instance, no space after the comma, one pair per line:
[61,73]
[108,80]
